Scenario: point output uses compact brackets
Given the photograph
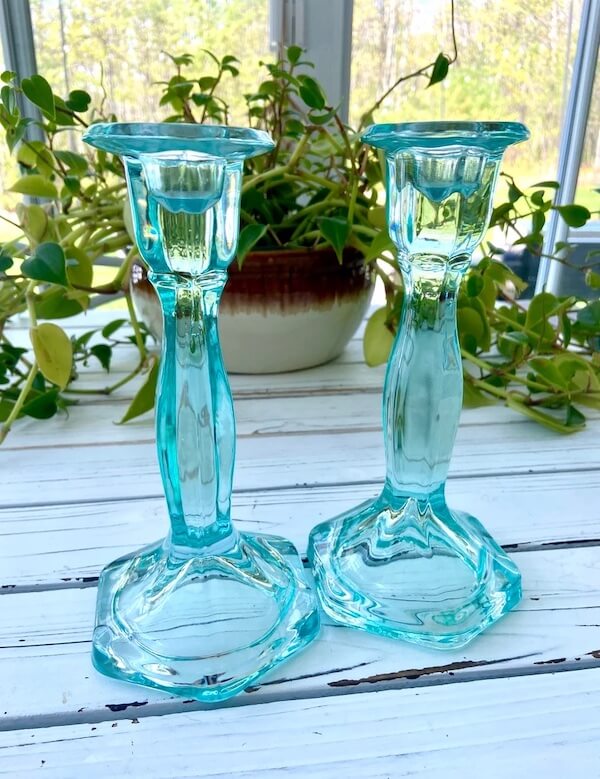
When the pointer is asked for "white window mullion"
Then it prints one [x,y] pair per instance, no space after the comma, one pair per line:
[324,29]
[19,52]
[572,138]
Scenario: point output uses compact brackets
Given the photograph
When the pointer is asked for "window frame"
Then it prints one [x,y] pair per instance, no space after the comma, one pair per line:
[16,33]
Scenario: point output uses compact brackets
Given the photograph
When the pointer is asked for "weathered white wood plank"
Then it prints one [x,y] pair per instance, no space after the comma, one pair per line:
[518,728]
[49,546]
[130,470]
[47,675]
[91,424]
[337,376]
[98,317]
[95,317]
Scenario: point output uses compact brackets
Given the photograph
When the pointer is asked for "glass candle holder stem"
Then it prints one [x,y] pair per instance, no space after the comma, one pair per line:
[423,389]
[195,428]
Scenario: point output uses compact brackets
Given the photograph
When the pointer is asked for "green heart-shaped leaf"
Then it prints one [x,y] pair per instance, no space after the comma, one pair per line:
[47,264]
[78,101]
[35,185]
[80,270]
[42,405]
[573,215]
[6,261]
[54,303]
[293,54]
[53,352]
[144,398]
[440,69]
[377,340]
[34,221]
[249,236]
[311,92]
[39,91]
[335,231]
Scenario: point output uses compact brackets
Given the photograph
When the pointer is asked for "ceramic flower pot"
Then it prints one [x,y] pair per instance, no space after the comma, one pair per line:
[283,310]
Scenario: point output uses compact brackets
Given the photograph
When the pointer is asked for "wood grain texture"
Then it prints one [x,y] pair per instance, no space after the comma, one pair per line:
[94,424]
[519,728]
[130,470]
[75,493]
[48,679]
[62,545]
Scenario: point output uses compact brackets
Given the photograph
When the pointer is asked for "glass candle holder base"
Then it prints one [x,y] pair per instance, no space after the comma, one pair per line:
[203,626]
[413,569]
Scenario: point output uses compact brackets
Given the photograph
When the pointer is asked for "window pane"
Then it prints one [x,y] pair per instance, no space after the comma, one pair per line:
[514,63]
[113,50]
[8,175]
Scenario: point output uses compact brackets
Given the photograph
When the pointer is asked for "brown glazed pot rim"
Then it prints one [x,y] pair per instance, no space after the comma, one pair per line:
[309,258]
[292,277]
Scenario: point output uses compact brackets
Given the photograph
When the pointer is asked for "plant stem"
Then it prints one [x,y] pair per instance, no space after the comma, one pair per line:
[75,235]
[304,177]
[10,222]
[123,272]
[297,153]
[268,174]
[111,388]
[497,371]
[313,208]
[136,327]
[106,247]
[30,300]
[518,326]
[352,205]
[485,387]
[20,401]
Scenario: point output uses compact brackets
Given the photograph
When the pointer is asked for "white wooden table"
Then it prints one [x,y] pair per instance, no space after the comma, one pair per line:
[76,493]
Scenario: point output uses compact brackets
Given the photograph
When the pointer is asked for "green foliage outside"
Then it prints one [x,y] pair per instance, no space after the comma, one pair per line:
[515,63]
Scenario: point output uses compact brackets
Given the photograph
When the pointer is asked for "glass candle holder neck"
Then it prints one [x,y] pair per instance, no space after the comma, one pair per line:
[439,202]
[423,386]
[194,417]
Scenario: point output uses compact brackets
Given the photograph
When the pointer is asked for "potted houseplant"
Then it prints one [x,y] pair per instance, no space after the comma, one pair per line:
[51,270]
[322,194]
[304,271]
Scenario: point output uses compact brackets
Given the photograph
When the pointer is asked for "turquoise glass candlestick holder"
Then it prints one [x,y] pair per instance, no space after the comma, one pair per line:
[405,565]
[208,610]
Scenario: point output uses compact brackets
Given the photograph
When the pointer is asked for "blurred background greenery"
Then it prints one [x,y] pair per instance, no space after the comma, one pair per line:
[515,63]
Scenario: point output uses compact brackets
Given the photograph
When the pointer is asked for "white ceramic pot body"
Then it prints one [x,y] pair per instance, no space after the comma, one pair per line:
[283,311]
